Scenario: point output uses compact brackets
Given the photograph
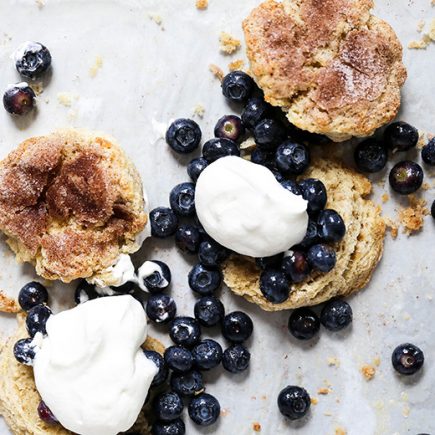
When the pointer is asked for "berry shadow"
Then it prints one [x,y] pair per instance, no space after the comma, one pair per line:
[25,121]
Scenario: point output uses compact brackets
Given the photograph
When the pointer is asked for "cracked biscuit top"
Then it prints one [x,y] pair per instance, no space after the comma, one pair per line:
[70,203]
[331,65]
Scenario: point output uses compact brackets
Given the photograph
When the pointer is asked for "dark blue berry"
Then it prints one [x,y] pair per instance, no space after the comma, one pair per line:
[256,110]
[406,177]
[268,134]
[278,176]
[321,257]
[217,148]
[187,384]
[32,294]
[158,360]
[212,254]
[126,288]
[272,262]
[159,279]
[209,311]
[185,331]
[312,236]
[32,59]
[24,351]
[336,315]
[331,226]
[292,158]
[19,99]
[84,292]
[230,127]
[303,324]
[370,156]
[204,409]
[203,280]
[428,153]
[400,136]
[274,285]
[263,157]
[179,358]
[207,354]
[168,406]
[237,86]
[183,136]
[291,186]
[296,266]
[432,209]
[407,359]
[163,222]
[188,238]
[294,402]
[313,191]
[195,167]
[45,414]
[236,358]
[37,318]
[175,427]
[237,327]
[182,199]
[160,308]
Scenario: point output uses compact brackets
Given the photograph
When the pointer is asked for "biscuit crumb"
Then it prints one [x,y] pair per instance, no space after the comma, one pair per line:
[236,65]
[368,371]
[224,412]
[93,70]
[420,44]
[421,140]
[314,401]
[216,71]
[327,414]
[199,111]
[66,98]
[425,186]
[340,431]
[392,227]
[40,3]
[377,361]
[420,26]
[201,4]
[406,411]
[38,88]
[412,217]
[323,391]
[156,18]
[228,44]
[333,361]
[8,305]
[385,197]
[431,33]
[248,144]
[256,427]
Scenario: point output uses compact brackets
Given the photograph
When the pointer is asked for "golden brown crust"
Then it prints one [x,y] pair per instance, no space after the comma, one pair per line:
[8,305]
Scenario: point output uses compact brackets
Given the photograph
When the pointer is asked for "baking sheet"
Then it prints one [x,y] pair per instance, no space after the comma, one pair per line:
[152,73]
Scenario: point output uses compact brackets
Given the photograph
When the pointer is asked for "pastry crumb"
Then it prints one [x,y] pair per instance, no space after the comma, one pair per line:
[156,18]
[228,44]
[256,427]
[38,88]
[236,65]
[248,144]
[333,361]
[216,71]
[425,186]
[412,217]
[201,4]
[421,141]
[93,70]
[340,431]
[385,197]
[224,412]
[199,111]
[314,401]
[392,227]
[323,391]
[66,98]
[420,44]
[368,371]
[420,26]
[40,3]
[377,361]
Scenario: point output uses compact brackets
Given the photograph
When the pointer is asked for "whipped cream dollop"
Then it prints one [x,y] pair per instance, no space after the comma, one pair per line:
[242,206]
[90,369]
[118,274]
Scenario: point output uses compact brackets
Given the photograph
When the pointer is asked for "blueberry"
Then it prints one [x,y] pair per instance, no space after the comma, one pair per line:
[204,280]
[209,311]
[187,384]
[292,158]
[183,136]
[331,226]
[312,236]
[336,315]
[303,324]
[256,110]
[263,157]
[432,209]
[268,134]
[156,275]
[178,358]
[195,167]
[168,406]
[296,266]
[182,199]
[237,327]
[32,59]
[407,359]
[291,186]
[321,257]
[370,156]
[278,176]
[230,127]
[212,254]
[237,86]
[400,136]
[207,354]
[160,308]
[163,221]
[175,427]
[185,331]
[406,177]
[269,262]
[158,360]
[84,292]
[126,288]
[294,402]
[428,153]
[32,294]
[274,285]
[19,99]
[24,351]
[188,238]
[236,358]
[45,414]
[204,409]
[313,191]
[37,318]
[217,148]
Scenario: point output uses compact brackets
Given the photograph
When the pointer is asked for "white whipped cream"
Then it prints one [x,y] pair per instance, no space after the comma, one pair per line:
[242,206]
[118,274]
[90,369]
[146,270]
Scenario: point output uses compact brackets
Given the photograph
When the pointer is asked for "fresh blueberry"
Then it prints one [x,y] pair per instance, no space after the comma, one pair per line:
[24,351]
[268,134]
[187,384]
[185,331]
[182,199]
[370,156]
[163,221]
[296,266]
[407,359]
[126,288]
[195,167]
[84,292]
[331,226]
[204,409]
[217,148]
[406,177]
[294,402]
[19,99]
[179,358]
[183,136]
[278,176]
[336,315]
[256,110]
[291,186]
[262,157]
[237,86]
[303,324]
[230,127]
[175,427]
[269,262]
[158,360]
[428,153]
[321,257]
[212,254]
[203,280]
[160,308]
[312,236]
[159,279]
[32,59]
[45,414]
[168,406]
[209,311]
[37,318]
[188,238]
[207,354]
[400,136]
[274,285]
[236,358]
[237,327]
[432,209]
[32,294]
[292,158]
[313,191]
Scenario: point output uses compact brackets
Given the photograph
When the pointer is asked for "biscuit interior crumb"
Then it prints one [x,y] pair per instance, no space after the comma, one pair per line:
[66,98]
[323,391]
[228,44]
[216,71]
[340,431]
[256,427]
[201,4]
[368,371]
[412,217]
[93,70]
[385,197]
[199,111]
